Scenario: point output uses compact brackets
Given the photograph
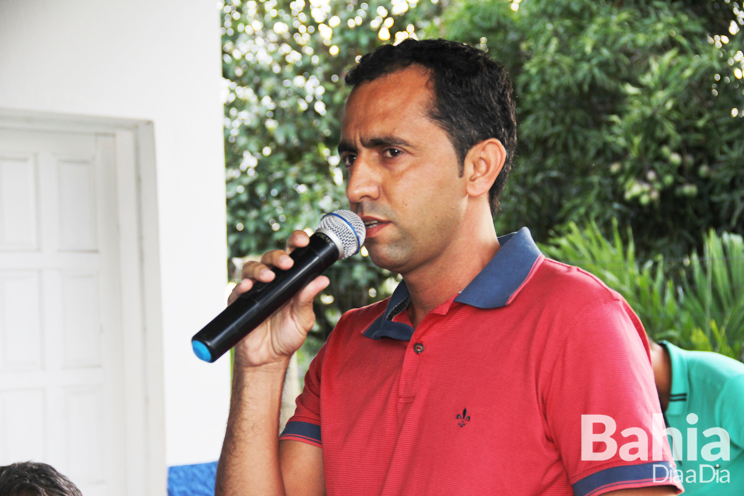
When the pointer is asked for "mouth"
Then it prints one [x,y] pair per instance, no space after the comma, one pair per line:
[373,226]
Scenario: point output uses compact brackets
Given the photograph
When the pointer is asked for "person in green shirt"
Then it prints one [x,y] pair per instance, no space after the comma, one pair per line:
[702,397]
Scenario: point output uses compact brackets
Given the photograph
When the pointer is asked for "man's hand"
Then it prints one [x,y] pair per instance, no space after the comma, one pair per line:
[284,332]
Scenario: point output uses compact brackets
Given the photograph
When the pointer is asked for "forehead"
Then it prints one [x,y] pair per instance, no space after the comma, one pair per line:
[401,96]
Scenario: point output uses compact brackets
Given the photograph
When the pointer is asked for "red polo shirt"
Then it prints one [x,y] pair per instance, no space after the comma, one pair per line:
[486,395]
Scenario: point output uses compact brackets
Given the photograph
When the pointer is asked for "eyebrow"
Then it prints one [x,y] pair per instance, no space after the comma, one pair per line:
[346,147]
[378,142]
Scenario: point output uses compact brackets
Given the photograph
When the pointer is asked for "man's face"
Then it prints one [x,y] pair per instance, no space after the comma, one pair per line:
[404,178]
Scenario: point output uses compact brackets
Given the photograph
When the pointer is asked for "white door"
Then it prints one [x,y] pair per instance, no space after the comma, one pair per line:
[61,367]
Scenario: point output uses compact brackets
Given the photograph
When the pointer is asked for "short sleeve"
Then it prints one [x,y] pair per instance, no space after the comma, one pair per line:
[601,403]
[304,425]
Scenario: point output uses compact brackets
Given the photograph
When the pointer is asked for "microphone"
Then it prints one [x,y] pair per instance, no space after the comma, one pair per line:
[339,235]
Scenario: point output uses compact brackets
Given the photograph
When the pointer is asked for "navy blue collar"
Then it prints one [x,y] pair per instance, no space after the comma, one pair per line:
[494,287]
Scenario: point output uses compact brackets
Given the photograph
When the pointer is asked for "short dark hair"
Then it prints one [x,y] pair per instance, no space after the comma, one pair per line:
[474,98]
[35,479]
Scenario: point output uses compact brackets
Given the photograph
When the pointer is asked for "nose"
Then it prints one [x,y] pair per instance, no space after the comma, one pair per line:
[364,181]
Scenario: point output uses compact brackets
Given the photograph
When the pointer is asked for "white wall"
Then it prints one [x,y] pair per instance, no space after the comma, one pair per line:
[157,61]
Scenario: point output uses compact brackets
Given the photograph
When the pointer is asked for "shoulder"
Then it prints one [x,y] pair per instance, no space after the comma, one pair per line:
[558,276]
[709,365]
[571,305]
[571,291]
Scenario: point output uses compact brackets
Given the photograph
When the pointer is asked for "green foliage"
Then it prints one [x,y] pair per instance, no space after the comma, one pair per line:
[283,64]
[625,112]
[703,312]
[714,293]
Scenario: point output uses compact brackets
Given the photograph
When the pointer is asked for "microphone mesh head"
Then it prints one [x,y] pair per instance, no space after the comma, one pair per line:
[349,229]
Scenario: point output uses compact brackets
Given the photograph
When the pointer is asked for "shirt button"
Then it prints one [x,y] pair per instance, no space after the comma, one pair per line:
[418,348]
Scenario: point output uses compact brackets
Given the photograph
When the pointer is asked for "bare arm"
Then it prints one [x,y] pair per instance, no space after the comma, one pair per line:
[250,458]
[251,461]
[302,468]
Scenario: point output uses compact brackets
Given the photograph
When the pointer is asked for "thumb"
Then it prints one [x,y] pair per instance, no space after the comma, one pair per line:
[303,303]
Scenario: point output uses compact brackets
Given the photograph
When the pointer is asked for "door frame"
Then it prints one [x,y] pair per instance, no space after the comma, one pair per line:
[145,468]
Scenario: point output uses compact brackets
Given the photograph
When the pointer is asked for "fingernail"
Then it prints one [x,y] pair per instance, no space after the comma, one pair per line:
[284,259]
[265,273]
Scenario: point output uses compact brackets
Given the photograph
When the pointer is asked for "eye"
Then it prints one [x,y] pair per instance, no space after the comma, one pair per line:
[392,152]
[348,160]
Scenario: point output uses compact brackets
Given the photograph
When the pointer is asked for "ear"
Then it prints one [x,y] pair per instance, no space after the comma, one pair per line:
[483,164]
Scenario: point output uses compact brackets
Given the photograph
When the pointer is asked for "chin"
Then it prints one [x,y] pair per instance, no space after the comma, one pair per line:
[385,260]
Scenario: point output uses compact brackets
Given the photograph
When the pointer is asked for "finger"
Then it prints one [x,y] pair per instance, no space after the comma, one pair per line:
[239,289]
[309,292]
[277,258]
[257,272]
[302,306]
[297,239]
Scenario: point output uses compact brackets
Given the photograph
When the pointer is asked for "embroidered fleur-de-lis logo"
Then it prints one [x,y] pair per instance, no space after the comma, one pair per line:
[463,418]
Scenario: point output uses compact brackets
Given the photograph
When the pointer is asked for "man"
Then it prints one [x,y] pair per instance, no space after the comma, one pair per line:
[473,377]
[35,479]
[702,396]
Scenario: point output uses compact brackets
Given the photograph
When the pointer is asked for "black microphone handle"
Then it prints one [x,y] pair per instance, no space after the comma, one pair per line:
[263,299]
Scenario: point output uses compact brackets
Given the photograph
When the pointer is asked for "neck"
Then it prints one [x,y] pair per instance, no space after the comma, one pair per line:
[662,365]
[437,282]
